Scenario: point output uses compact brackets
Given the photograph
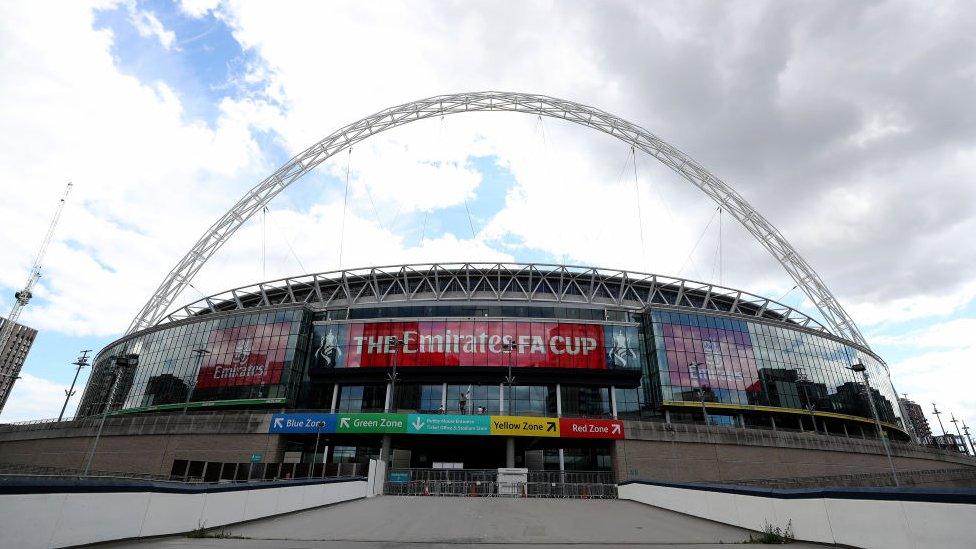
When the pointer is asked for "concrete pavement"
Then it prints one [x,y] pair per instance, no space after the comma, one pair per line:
[392,521]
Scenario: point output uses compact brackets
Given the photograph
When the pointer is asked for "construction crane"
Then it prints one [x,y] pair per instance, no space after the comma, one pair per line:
[22,297]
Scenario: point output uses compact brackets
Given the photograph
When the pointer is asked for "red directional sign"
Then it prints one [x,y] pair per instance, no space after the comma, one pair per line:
[591,428]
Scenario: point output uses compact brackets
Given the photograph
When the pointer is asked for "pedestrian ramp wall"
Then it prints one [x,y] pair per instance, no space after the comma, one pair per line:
[889,518]
[60,513]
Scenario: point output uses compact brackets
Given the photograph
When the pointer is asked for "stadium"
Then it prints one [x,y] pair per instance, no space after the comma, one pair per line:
[555,370]
[585,346]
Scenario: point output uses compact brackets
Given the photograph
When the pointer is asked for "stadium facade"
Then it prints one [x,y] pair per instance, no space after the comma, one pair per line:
[522,365]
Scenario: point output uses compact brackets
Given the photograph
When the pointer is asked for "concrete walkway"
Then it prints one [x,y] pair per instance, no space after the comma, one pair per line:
[392,521]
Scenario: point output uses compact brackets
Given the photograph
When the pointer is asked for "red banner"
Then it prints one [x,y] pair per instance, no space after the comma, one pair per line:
[478,343]
[246,355]
[591,428]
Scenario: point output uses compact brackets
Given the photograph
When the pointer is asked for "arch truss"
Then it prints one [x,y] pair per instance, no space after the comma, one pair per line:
[720,192]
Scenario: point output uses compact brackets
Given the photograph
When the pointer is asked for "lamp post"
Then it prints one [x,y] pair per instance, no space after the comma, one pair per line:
[68,393]
[965,429]
[862,369]
[938,416]
[508,347]
[108,401]
[701,389]
[810,408]
[199,353]
[315,451]
[395,343]
[955,422]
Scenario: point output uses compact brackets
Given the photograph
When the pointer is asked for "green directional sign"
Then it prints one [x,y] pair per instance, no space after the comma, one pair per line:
[429,424]
[371,423]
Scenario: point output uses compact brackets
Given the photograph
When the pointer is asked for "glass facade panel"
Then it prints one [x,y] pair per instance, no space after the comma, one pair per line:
[472,399]
[585,401]
[682,357]
[244,356]
[532,400]
[362,398]
[750,363]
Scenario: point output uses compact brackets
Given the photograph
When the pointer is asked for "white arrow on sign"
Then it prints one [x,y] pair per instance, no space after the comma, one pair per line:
[615,429]
[343,422]
[417,424]
[278,422]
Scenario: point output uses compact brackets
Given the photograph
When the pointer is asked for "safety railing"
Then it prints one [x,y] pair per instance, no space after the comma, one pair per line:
[486,488]
[486,483]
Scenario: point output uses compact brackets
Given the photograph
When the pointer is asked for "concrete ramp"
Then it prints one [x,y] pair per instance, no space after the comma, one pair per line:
[428,521]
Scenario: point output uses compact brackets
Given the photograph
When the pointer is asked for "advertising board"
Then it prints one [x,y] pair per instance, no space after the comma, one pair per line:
[244,355]
[716,358]
[482,343]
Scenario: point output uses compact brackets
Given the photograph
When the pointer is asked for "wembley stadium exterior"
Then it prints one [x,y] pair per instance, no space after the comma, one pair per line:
[488,366]
[584,348]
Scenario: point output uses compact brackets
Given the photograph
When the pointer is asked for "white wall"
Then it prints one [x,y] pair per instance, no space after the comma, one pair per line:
[860,523]
[58,520]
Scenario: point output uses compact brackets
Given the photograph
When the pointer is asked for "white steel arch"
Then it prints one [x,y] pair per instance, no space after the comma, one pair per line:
[725,196]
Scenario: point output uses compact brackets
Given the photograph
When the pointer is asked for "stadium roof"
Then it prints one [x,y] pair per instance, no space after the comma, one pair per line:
[494,282]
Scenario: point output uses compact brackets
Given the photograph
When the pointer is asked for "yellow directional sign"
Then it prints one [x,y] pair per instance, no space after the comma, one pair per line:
[522,426]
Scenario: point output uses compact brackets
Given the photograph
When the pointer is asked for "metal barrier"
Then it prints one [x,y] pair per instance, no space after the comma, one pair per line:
[484,483]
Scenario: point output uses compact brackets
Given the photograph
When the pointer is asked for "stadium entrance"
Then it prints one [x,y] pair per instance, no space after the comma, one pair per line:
[458,452]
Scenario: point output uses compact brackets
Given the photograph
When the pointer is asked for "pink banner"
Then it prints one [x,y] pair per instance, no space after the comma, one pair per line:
[246,355]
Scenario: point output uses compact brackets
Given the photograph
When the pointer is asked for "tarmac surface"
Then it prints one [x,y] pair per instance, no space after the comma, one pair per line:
[395,521]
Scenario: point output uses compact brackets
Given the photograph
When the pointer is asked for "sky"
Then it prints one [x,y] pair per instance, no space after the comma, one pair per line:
[850,125]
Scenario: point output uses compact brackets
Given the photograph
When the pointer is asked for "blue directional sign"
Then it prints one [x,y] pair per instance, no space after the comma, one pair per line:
[429,424]
[309,423]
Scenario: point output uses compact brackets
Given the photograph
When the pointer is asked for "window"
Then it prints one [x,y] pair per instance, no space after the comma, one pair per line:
[468,399]
[361,398]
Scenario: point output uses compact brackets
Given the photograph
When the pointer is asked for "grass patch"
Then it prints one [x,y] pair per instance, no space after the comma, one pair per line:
[773,534]
[201,531]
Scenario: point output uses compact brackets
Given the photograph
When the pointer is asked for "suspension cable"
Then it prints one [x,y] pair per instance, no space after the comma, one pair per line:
[345,201]
[424,230]
[700,237]
[788,292]
[288,243]
[718,261]
[470,223]
[640,215]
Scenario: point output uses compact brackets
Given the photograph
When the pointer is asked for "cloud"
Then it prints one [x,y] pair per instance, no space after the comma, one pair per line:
[846,125]
[149,26]
[148,180]
[198,8]
[938,368]
[37,398]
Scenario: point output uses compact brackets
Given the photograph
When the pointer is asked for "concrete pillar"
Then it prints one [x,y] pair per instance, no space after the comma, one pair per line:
[510,452]
[385,449]
[801,423]
[562,460]
[613,401]
[773,421]
[667,416]
[335,397]
[387,404]
[444,397]
[501,398]
[742,421]
[559,402]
